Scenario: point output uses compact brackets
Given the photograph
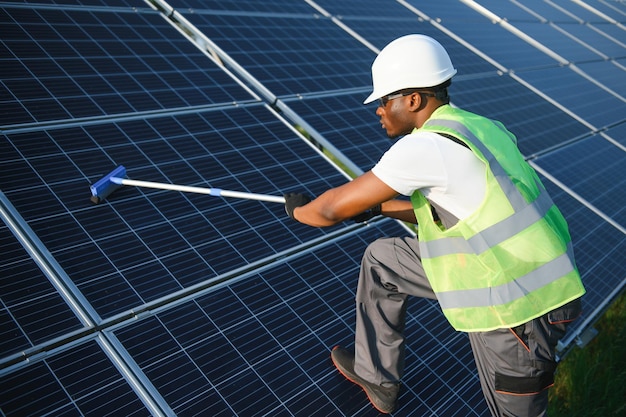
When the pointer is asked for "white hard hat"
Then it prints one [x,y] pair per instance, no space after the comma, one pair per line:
[411,61]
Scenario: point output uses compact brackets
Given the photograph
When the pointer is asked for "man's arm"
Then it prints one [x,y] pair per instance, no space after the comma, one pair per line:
[344,202]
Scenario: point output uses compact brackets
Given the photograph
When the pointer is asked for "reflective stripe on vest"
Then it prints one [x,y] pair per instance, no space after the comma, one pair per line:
[511,291]
[493,235]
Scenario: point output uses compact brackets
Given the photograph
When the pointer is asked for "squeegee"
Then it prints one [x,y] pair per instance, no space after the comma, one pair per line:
[115,179]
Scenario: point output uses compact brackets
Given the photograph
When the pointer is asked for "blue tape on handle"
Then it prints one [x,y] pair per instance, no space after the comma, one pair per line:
[216,192]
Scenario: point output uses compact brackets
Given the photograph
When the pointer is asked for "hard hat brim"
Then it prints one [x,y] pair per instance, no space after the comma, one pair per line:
[372,97]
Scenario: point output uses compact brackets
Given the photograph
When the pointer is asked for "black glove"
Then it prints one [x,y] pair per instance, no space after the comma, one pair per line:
[293,200]
[366,215]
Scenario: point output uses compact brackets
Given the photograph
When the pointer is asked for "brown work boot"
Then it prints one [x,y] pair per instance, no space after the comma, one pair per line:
[382,397]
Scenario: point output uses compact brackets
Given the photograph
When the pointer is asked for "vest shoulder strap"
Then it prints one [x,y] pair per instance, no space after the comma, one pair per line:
[454,139]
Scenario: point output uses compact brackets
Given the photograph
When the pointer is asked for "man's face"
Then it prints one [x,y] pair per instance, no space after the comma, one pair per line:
[395,116]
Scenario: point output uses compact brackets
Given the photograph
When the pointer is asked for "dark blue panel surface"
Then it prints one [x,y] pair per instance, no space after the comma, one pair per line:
[368,9]
[571,49]
[87,3]
[610,74]
[597,37]
[79,381]
[583,13]
[245,7]
[618,133]
[290,54]
[599,249]
[537,123]
[64,64]
[31,310]
[261,345]
[143,243]
[348,124]
[580,95]
[380,32]
[594,169]
[493,40]
[529,11]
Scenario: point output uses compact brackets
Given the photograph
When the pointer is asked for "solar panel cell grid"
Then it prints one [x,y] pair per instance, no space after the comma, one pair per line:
[583,97]
[78,381]
[617,133]
[380,32]
[537,124]
[348,125]
[571,49]
[614,10]
[442,12]
[291,54]
[263,343]
[267,6]
[32,311]
[525,12]
[129,246]
[257,343]
[609,75]
[597,37]
[64,64]
[368,8]
[598,247]
[599,174]
[88,3]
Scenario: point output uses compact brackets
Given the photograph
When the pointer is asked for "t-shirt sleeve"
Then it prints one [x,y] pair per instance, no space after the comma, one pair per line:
[412,163]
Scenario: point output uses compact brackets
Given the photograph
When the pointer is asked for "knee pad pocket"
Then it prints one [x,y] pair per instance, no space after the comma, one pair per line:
[516,385]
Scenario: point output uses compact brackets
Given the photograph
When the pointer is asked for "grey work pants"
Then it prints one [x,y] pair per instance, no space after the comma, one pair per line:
[515,366]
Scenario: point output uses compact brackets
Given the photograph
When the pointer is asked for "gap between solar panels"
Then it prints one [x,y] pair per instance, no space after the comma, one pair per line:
[101,189]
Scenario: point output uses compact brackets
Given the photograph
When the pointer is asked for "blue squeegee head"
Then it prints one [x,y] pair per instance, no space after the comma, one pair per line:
[101,189]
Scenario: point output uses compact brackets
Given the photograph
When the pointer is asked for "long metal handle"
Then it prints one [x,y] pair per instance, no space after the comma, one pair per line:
[218,192]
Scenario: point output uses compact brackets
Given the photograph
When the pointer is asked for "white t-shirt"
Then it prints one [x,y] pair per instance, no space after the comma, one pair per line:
[447,173]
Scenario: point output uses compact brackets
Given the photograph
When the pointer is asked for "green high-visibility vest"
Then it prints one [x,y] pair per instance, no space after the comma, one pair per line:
[512,259]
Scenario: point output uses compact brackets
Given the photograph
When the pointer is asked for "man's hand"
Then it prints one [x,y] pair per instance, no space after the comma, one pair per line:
[293,200]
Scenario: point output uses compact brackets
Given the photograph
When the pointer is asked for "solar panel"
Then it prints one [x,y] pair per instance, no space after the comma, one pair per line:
[571,41]
[531,11]
[597,105]
[617,133]
[80,380]
[598,247]
[291,54]
[140,246]
[348,124]
[380,32]
[596,160]
[504,47]
[78,63]
[612,10]
[251,7]
[608,75]
[264,344]
[207,305]
[33,311]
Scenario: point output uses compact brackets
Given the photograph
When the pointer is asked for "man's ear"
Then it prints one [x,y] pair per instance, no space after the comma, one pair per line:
[417,102]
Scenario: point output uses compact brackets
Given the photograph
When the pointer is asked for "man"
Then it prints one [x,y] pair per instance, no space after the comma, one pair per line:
[492,247]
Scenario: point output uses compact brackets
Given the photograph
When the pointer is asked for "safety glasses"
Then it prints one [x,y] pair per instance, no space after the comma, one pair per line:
[386,99]
[382,102]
